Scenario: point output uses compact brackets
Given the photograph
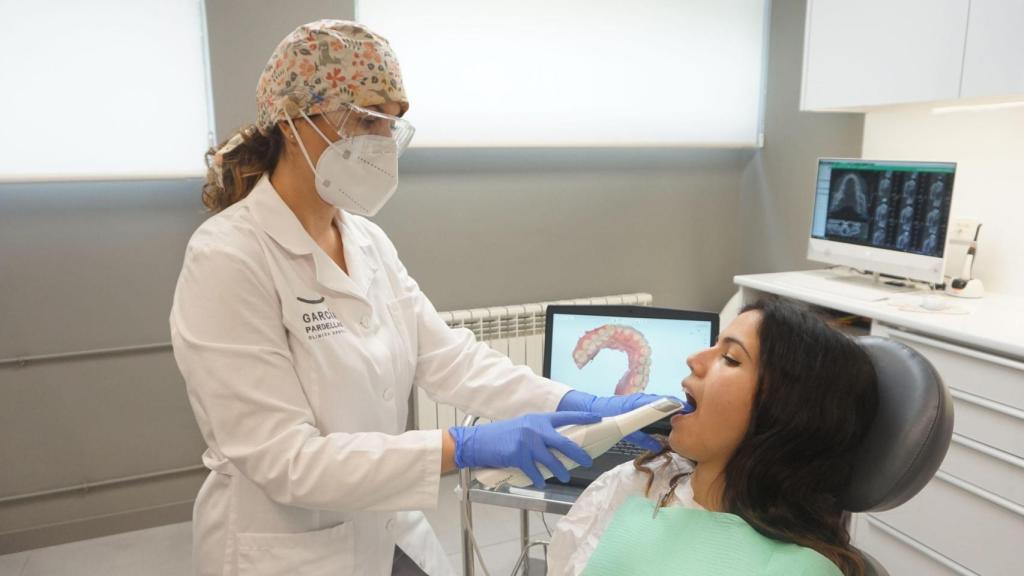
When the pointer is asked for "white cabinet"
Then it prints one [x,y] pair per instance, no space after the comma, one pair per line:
[876,52]
[995,45]
[870,53]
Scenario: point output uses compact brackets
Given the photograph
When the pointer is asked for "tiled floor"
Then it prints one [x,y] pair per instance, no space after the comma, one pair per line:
[167,550]
[159,551]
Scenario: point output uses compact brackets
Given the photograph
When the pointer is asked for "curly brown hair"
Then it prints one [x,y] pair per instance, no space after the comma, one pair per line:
[242,167]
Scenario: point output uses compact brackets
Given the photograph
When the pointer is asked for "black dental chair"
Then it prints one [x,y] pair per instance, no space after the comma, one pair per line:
[909,437]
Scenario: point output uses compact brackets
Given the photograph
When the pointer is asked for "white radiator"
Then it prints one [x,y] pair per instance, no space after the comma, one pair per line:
[516,331]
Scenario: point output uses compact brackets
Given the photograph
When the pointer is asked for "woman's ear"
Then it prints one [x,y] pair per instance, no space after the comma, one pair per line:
[289,138]
[287,131]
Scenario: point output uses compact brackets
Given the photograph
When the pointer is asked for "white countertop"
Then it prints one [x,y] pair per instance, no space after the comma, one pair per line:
[994,322]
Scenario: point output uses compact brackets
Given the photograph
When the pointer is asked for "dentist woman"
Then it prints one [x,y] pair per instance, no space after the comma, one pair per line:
[300,336]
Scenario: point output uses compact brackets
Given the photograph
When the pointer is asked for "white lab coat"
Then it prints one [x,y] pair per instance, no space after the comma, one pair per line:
[300,377]
[576,535]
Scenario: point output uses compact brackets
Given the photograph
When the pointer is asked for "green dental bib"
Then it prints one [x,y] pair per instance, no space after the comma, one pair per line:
[687,542]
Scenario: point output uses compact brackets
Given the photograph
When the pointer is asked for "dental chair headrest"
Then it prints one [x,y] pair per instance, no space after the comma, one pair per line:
[911,432]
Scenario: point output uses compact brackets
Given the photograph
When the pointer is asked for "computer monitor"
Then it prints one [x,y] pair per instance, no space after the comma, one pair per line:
[606,350]
[883,216]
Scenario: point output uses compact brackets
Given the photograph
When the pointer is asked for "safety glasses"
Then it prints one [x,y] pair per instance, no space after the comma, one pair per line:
[351,121]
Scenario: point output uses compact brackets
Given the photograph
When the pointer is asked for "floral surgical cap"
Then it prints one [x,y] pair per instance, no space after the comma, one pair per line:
[323,65]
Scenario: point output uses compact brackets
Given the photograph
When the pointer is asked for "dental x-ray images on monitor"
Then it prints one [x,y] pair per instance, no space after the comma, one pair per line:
[889,217]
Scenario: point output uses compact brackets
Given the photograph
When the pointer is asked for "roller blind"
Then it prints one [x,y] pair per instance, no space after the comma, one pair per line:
[103,89]
[579,72]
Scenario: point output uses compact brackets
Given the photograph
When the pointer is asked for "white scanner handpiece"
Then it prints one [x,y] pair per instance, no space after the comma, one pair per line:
[595,439]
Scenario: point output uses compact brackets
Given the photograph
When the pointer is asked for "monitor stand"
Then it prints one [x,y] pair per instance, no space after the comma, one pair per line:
[855,277]
[848,283]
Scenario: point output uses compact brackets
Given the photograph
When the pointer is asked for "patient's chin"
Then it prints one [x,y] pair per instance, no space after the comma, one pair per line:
[678,444]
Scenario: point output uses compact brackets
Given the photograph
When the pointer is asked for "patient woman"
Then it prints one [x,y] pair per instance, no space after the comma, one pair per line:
[749,483]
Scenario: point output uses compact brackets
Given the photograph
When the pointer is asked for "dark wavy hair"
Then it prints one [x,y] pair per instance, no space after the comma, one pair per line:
[815,399]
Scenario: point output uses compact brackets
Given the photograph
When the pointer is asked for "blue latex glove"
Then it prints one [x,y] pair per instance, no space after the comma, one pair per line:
[521,442]
[577,401]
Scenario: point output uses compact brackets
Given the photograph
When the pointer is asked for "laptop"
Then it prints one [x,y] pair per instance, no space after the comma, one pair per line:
[606,350]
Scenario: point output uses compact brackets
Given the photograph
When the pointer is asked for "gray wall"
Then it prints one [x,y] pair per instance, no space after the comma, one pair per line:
[777,185]
[487,227]
[242,34]
[88,266]
[92,266]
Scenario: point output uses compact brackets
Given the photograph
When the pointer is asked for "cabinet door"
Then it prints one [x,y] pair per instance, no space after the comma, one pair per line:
[878,52]
[899,553]
[995,44]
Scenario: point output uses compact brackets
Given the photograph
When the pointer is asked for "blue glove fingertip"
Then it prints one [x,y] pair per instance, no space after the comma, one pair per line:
[651,445]
[533,474]
[552,464]
[644,441]
[573,451]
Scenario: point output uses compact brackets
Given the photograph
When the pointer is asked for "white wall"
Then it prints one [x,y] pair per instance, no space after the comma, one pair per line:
[988,147]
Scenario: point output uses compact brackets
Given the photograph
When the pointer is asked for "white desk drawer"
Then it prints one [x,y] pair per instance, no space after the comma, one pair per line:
[988,422]
[986,375]
[900,554]
[993,470]
[971,527]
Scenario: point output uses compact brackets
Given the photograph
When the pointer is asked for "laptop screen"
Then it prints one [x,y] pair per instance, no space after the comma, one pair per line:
[605,350]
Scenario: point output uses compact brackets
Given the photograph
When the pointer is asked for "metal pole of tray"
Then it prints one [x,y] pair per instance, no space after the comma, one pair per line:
[524,538]
[466,517]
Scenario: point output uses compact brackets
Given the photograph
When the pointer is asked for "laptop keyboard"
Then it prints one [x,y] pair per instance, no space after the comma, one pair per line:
[626,449]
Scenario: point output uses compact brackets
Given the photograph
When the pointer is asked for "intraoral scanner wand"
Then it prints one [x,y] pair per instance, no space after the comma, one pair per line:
[595,439]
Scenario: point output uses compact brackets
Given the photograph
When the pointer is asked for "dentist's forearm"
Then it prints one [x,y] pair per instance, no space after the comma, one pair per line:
[447,452]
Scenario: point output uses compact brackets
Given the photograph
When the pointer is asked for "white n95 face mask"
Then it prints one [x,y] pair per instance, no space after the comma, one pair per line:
[357,174]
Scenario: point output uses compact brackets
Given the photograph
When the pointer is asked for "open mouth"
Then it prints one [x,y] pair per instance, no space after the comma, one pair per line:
[690,401]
